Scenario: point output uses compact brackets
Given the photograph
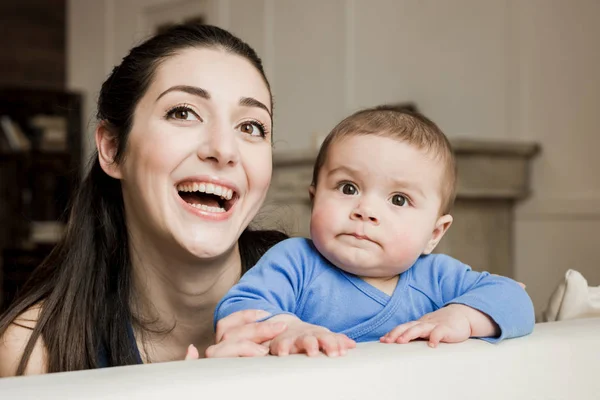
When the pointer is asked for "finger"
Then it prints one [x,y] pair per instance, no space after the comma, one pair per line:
[244,348]
[422,330]
[393,335]
[437,335]
[282,347]
[309,344]
[192,353]
[258,332]
[345,344]
[238,319]
[330,344]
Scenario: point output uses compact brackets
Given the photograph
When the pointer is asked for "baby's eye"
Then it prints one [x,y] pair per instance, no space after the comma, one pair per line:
[253,129]
[182,113]
[399,200]
[348,188]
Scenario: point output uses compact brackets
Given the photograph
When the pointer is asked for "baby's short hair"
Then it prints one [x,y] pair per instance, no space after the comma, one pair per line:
[404,125]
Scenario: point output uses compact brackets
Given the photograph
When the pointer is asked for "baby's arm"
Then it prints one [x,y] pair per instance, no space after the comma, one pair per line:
[472,304]
[274,285]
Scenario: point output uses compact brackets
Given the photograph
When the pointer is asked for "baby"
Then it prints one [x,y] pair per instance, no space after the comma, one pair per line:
[383,185]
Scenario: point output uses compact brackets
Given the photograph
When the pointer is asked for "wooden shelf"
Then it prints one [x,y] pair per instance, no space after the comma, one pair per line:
[36,184]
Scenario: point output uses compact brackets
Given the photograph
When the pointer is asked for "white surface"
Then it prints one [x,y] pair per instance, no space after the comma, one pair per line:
[558,361]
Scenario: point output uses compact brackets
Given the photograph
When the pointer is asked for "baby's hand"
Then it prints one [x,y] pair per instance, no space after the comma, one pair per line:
[450,324]
[302,337]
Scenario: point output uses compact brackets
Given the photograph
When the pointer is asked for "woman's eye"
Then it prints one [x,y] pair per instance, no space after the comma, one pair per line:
[399,200]
[182,113]
[252,129]
[349,189]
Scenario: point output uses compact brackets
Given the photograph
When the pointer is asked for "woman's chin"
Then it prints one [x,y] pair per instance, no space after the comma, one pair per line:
[210,247]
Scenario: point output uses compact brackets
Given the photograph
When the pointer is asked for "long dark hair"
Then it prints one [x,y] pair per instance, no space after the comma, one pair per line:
[84,285]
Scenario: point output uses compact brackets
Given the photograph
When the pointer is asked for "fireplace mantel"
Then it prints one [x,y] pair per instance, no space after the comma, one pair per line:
[492,177]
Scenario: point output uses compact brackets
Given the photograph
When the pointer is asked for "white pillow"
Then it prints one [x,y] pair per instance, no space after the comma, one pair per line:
[573,299]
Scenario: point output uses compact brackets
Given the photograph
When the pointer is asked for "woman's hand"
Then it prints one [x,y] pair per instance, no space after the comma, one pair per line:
[239,335]
[192,353]
[302,337]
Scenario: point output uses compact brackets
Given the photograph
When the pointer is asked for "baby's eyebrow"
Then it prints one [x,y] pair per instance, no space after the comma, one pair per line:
[411,186]
[346,169]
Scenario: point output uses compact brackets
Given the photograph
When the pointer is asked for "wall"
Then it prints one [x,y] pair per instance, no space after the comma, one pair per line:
[559,92]
[506,69]
[33,43]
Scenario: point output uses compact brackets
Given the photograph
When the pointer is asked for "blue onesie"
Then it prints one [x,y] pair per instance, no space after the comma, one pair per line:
[294,278]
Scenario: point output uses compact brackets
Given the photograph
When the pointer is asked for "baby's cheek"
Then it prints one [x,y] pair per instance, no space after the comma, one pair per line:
[404,247]
[319,221]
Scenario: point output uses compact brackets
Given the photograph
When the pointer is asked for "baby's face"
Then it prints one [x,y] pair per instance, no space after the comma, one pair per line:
[376,206]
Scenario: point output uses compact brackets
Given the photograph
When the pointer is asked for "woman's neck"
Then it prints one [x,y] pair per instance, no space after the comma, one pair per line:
[178,297]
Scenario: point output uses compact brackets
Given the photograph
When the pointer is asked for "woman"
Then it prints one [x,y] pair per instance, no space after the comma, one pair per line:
[158,231]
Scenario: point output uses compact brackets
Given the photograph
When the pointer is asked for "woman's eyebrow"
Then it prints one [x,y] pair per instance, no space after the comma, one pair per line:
[193,90]
[252,102]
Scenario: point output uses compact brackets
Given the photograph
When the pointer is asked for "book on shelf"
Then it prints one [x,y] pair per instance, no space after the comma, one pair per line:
[52,130]
[46,232]
[47,133]
[14,135]
[5,146]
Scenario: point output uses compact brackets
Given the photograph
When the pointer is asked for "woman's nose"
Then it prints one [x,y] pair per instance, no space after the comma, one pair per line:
[219,146]
[364,213]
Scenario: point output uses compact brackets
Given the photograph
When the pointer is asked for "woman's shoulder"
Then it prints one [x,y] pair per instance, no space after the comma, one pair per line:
[14,340]
[253,244]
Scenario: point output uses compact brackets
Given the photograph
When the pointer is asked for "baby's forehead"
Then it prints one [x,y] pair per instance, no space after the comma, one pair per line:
[383,154]
[369,146]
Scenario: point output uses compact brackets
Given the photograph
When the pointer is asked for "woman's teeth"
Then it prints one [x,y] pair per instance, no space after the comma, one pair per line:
[207,208]
[209,188]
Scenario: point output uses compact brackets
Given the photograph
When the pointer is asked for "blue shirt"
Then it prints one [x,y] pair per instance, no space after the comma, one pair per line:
[294,278]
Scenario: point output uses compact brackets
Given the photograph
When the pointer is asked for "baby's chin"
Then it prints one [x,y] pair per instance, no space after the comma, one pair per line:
[363,266]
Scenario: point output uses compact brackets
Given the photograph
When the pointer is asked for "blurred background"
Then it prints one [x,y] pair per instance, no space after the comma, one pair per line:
[513,83]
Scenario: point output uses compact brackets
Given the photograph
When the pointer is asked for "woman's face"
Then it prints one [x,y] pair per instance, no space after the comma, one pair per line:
[198,160]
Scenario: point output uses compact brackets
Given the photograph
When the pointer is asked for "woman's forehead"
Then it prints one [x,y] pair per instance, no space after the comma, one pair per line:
[221,74]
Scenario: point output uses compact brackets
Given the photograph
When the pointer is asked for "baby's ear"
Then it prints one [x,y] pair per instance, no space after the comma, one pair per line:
[441,226]
[107,144]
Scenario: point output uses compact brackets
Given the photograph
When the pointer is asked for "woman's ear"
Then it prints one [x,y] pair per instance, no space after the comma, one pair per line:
[311,192]
[107,145]
[441,227]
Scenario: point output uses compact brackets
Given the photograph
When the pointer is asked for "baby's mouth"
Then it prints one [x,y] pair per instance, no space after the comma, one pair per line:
[207,196]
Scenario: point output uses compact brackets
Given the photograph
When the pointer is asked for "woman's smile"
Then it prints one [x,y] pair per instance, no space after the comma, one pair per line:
[208,197]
